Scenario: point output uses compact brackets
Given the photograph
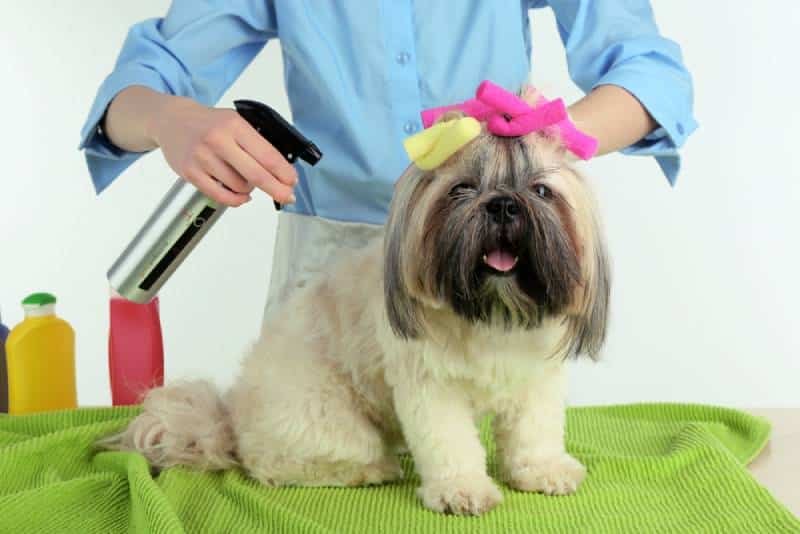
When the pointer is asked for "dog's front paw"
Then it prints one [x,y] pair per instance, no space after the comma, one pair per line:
[463,495]
[557,475]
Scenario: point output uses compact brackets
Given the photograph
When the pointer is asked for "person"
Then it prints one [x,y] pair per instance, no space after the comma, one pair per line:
[357,76]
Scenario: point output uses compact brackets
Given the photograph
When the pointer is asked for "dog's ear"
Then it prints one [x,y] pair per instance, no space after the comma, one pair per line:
[588,315]
[402,309]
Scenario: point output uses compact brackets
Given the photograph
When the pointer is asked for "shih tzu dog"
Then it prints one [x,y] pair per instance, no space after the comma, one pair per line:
[491,273]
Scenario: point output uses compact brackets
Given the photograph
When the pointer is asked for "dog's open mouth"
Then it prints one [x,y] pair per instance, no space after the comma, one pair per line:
[500,260]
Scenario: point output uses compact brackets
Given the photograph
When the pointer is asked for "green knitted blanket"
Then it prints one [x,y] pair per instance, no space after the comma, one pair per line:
[652,468]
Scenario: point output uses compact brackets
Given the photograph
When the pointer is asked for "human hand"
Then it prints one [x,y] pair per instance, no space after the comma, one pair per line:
[220,153]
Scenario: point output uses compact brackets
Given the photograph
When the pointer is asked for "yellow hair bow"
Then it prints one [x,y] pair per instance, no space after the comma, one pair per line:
[430,148]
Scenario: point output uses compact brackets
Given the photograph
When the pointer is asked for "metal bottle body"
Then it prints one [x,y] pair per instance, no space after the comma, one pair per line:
[178,223]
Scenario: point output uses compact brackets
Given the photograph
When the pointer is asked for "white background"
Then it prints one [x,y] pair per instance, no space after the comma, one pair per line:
[707,276]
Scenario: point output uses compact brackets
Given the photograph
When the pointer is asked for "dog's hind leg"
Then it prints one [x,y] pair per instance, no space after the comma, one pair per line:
[297,422]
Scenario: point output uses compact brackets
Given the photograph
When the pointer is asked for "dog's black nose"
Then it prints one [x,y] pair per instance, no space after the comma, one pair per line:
[502,209]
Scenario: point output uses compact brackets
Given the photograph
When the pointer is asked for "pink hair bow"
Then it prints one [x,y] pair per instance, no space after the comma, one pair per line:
[507,115]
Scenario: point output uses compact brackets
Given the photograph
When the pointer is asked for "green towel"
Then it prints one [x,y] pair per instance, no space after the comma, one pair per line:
[652,468]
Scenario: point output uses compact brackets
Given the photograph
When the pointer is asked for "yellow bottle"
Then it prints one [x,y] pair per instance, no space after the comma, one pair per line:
[40,353]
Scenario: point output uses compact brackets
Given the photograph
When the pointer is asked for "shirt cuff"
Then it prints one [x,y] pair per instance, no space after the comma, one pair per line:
[674,118]
[105,160]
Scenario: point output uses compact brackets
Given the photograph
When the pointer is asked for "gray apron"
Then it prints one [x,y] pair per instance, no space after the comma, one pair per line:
[306,246]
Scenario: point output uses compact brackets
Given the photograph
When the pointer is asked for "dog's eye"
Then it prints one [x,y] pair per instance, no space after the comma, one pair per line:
[461,189]
[542,191]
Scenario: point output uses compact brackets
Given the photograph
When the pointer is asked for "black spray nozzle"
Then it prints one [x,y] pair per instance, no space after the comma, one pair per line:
[275,129]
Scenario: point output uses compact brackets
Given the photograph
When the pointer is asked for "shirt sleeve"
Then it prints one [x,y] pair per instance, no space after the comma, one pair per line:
[197,50]
[609,42]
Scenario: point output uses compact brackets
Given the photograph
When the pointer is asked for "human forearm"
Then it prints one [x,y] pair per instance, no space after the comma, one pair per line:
[129,120]
[613,116]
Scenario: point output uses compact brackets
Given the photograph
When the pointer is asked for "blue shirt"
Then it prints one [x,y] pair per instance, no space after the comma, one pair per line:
[359,72]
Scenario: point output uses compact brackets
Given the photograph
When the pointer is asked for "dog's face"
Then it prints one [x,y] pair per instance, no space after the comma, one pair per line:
[504,232]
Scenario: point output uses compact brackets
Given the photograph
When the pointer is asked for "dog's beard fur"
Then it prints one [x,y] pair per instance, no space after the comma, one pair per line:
[440,229]
[414,337]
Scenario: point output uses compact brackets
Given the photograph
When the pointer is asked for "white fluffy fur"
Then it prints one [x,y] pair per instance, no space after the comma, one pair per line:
[328,394]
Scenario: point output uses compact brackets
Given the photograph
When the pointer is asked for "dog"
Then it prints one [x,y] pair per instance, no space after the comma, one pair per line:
[491,273]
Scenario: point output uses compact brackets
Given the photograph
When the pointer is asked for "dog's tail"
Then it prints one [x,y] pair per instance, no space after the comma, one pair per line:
[181,424]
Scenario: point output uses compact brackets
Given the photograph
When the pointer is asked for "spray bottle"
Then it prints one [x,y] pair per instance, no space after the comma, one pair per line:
[171,232]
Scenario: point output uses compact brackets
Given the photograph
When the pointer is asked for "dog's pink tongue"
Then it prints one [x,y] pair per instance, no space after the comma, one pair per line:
[500,260]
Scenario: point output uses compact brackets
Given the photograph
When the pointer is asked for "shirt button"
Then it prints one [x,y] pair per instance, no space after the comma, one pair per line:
[680,129]
[402,58]
[410,127]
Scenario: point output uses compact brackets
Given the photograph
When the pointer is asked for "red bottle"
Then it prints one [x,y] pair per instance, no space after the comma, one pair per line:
[135,350]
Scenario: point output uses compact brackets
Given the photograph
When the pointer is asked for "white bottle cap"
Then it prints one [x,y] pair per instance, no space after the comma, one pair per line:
[39,305]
